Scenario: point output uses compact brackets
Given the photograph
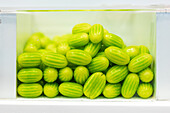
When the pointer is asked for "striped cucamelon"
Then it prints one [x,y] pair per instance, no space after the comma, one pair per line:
[29,59]
[96,33]
[98,64]
[140,62]
[54,60]
[146,75]
[30,90]
[92,48]
[116,74]
[51,47]
[117,55]
[30,75]
[71,89]
[94,85]
[78,40]
[145,90]
[50,74]
[65,74]
[130,85]
[112,90]
[143,49]
[81,28]
[51,90]
[30,48]
[112,40]
[42,52]
[101,54]
[78,57]
[81,74]
[44,41]
[132,51]
[62,48]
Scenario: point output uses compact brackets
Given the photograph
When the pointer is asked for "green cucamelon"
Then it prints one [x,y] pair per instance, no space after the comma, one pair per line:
[116,74]
[81,28]
[51,47]
[44,41]
[51,90]
[145,90]
[50,74]
[132,51]
[30,48]
[130,85]
[146,75]
[94,85]
[92,48]
[143,49]
[62,48]
[30,75]
[71,89]
[65,74]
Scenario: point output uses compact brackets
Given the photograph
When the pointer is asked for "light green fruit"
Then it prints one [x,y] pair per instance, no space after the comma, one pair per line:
[71,89]
[132,51]
[78,40]
[81,28]
[145,90]
[112,90]
[112,40]
[42,52]
[106,31]
[78,57]
[146,75]
[98,64]
[30,90]
[96,33]
[117,55]
[44,41]
[51,47]
[62,48]
[130,85]
[65,74]
[94,85]
[140,62]
[81,74]
[116,74]
[50,74]
[92,48]
[30,48]
[29,59]
[51,90]
[143,49]
[30,75]
[101,54]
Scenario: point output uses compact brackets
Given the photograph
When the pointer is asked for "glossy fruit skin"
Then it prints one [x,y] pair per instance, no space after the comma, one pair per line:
[62,48]
[116,74]
[130,85]
[30,90]
[143,49]
[30,48]
[30,75]
[112,90]
[29,59]
[50,74]
[94,85]
[71,89]
[65,74]
[96,33]
[78,57]
[81,28]
[132,51]
[81,74]
[61,39]
[44,41]
[78,40]
[54,60]
[140,62]
[117,55]
[112,40]
[51,47]
[92,48]
[51,90]
[98,64]
[106,31]
[145,90]
[146,75]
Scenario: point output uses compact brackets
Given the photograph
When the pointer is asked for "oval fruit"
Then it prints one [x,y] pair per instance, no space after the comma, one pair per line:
[54,60]
[98,64]
[78,57]
[94,85]
[51,47]
[145,90]
[117,55]
[51,90]
[116,74]
[30,90]
[146,75]
[81,28]
[140,62]
[92,48]
[65,74]
[132,51]
[62,48]
[81,74]
[130,85]
[71,89]
[50,74]
[29,59]
[112,90]
[30,48]
[96,33]
[112,40]
[30,75]
[44,41]
[143,49]
[106,31]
